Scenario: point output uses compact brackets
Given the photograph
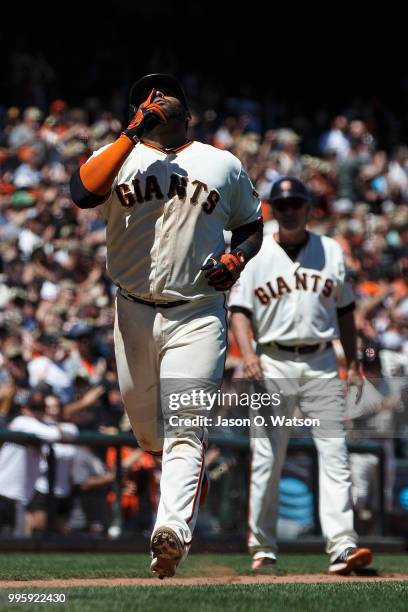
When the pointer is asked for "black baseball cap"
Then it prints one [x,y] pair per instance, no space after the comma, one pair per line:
[141,88]
[36,400]
[288,188]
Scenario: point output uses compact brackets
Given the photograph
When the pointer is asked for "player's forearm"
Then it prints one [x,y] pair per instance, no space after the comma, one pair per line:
[92,183]
[94,482]
[248,239]
[348,338]
[71,409]
[241,328]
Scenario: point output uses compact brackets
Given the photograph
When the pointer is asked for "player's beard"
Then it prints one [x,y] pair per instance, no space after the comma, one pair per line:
[176,114]
[176,111]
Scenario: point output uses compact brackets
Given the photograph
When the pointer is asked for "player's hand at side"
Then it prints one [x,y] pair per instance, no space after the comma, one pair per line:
[222,272]
[148,115]
[251,365]
[355,379]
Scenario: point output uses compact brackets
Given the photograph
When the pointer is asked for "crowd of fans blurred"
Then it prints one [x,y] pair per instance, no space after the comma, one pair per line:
[56,314]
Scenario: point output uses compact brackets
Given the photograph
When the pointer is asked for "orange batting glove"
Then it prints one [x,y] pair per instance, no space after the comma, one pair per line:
[224,271]
[147,116]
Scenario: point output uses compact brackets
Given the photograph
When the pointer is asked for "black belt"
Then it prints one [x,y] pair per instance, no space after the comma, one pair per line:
[302,348]
[132,298]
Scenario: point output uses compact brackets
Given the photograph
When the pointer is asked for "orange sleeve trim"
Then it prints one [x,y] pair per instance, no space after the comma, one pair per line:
[184,146]
[98,173]
[152,146]
[168,151]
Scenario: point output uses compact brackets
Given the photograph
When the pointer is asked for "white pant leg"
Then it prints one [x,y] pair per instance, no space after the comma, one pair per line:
[137,360]
[364,468]
[335,504]
[192,358]
[322,397]
[268,447]
[268,457]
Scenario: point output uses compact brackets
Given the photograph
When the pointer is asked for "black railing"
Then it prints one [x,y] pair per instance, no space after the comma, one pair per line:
[235,442]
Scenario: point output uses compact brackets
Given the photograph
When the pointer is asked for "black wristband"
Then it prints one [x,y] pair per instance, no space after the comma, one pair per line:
[80,194]
[247,239]
[242,310]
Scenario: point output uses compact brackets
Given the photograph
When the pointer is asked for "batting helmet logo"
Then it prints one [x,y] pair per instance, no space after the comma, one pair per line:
[286,186]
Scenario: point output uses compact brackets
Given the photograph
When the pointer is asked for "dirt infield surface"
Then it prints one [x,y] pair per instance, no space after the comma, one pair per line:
[226,579]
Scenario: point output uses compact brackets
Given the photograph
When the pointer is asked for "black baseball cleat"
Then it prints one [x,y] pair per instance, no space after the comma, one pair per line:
[350,560]
[167,552]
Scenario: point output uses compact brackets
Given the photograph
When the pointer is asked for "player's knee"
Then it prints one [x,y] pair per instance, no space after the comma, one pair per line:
[148,447]
[184,441]
[154,453]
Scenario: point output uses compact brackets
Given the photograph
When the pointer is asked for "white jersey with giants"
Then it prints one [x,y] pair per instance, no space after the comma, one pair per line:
[294,302]
[166,216]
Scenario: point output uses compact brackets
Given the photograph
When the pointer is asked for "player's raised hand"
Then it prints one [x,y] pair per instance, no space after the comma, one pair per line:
[251,365]
[147,116]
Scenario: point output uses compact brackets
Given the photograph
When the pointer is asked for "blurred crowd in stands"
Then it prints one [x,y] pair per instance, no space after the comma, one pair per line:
[56,317]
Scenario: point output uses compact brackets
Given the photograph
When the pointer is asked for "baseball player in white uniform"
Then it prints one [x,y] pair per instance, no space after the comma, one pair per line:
[295,297]
[167,201]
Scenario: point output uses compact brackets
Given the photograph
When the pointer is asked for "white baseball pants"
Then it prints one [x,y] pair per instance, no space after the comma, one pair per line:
[309,382]
[164,351]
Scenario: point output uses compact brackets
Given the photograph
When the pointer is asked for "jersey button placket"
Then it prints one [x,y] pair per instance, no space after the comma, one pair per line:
[170,209]
[161,246]
[164,247]
[174,210]
[298,312]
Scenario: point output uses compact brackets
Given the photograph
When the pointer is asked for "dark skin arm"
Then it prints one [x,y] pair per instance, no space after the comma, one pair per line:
[248,239]
[222,272]
[241,328]
[348,338]
[94,482]
[88,399]
[91,184]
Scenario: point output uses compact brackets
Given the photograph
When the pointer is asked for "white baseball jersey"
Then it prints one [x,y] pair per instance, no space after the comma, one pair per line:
[294,302]
[166,216]
[20,464]
[64,459]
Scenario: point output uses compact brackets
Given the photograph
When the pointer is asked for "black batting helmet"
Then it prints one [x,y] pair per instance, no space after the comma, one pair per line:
[288,187]
[140,90]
